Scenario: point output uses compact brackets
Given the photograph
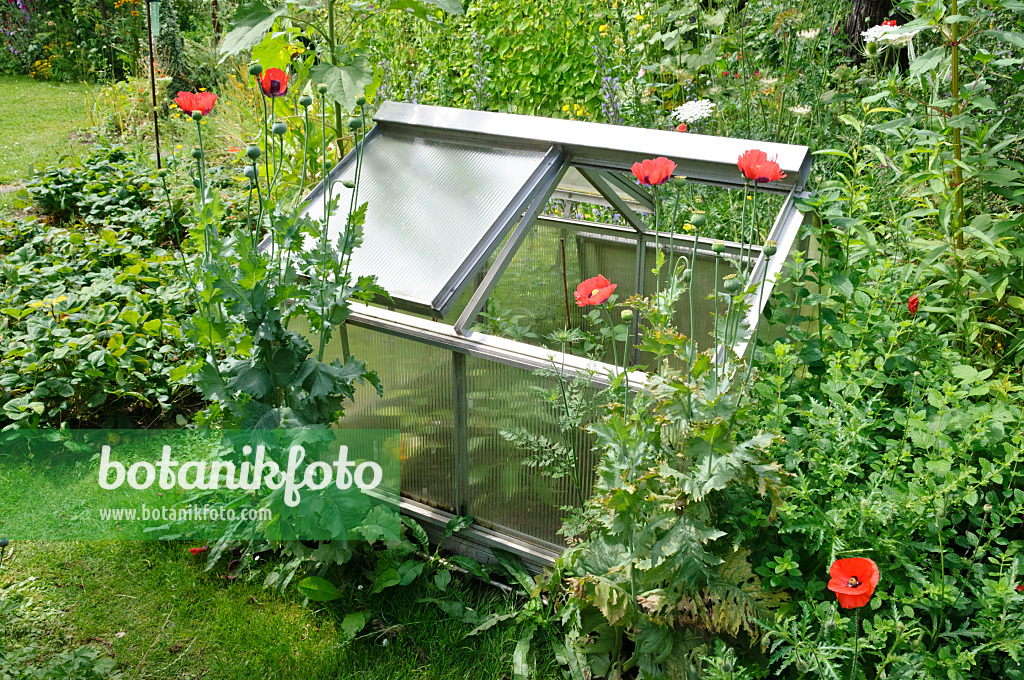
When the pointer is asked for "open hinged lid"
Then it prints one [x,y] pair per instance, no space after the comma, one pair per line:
[445,187]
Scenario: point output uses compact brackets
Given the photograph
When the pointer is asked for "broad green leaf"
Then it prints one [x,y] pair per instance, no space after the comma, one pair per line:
[421,7]
[344,83]
[318,589]
[251,22]
[927,61]
[353,624]
[273,52]
[1006,36]
[109,237]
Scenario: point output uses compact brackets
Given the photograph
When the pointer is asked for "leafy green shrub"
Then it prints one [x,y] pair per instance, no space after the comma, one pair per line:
[90,329]
[113,188]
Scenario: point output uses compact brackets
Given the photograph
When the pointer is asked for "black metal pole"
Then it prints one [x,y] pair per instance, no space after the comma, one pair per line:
[152,80]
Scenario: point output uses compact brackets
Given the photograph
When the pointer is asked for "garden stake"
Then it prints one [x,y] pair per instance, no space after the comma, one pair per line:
[152,82]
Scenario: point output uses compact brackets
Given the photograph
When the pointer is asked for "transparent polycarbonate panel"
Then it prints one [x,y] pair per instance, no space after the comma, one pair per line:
[431,210]
[504,494]
[417,401]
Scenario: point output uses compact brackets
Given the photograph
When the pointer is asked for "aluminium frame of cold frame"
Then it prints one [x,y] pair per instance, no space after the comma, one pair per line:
[600,155]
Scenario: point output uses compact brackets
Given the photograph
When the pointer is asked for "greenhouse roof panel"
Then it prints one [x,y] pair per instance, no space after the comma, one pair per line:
[435,209]
[615,147]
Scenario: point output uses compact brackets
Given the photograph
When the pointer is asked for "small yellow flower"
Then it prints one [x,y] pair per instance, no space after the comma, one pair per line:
[178,147]
[687,227]
[639,17]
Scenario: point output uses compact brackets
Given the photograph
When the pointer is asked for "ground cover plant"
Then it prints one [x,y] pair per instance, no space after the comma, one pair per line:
[731,494]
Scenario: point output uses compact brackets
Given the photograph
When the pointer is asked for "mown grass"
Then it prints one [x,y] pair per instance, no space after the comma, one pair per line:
[154,608]
[36,121]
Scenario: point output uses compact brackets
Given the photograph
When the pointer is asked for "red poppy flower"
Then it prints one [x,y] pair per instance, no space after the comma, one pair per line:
[594,291]
[912,303]
[1020,588]
[190,102]
[757,167]
[274,82]
[653,172]
[890,22]
[199,551]
[853,581]
[681,127]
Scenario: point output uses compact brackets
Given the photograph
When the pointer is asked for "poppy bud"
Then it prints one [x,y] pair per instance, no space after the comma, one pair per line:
[872,49]
[255,69]
[197,153]
[912,304]
[354,123]
[627,315]
[731,283]
[987,508]
[161,173]
[305,101]
[698,219]
[360,101]
[251,171]
[321,88]
[279,128]
[252,152]
[196,183]
[687,275]
[770,248]
[718,247]
[348,184]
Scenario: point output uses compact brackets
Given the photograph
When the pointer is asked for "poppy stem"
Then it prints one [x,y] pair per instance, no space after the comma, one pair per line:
[856,642]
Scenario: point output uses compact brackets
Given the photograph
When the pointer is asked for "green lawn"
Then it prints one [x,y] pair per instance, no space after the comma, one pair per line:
[36,121]
[152,606]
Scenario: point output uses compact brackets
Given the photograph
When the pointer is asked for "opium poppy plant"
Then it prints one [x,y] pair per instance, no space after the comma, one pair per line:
[594,291]
[853,581]
[652,172]
[757,167]
[190,102]
[274,82]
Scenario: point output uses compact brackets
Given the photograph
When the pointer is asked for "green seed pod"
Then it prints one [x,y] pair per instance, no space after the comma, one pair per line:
[627,315]
[872,49]
[354,123]
[252,152]
[687,275]
[251,171]
[161,173]
[305,101]
[279,128]
[197,115]
[698,219]
[718,247]
[321,88]
[360,101]
[731,284]
[679,181]
[770,248]
[348,183]
[255,69]
[197,153]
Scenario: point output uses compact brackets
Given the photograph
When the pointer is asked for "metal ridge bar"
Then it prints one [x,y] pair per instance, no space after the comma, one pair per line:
[484,346]
[600,182]
[613,147]
[534,202]
[634,190]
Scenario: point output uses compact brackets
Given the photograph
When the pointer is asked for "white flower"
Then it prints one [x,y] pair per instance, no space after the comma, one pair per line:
[889,35]
[809,34]
[769,80]
[800,110]
[693,111]
[641,73]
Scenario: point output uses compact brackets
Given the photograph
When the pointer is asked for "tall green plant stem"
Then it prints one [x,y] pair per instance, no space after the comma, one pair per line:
[958,173]
[330,44]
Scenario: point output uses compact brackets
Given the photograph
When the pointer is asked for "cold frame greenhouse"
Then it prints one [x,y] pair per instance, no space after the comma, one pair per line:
[479,225]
